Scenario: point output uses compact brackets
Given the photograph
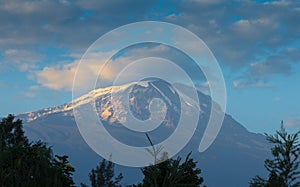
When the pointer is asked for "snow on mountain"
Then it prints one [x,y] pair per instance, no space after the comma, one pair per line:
[97,94]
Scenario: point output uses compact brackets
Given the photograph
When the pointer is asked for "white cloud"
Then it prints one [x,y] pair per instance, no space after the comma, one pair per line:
[61,77]
[57,78]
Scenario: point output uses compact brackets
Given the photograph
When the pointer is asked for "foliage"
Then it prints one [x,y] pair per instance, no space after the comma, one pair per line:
[24,163]
[64,169]
[284,167]
[103,175]
[172,173]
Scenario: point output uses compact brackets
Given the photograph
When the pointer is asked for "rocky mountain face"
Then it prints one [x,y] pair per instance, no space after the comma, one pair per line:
[233,159]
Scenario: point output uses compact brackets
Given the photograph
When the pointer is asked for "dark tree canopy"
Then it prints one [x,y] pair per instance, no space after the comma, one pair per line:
[103,175]
[64,170]
[25,163]
[284,170]
[172,173]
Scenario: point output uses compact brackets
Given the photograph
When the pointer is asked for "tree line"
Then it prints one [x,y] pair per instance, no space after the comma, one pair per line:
[26,163]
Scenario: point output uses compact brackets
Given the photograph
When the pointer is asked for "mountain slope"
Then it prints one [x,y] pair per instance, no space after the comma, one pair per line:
[232,160]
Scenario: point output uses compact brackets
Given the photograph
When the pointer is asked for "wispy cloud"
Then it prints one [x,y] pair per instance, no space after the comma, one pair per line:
[23,60]
[258,74]
[32,92]
[280,63]
[293,122]
[242,83]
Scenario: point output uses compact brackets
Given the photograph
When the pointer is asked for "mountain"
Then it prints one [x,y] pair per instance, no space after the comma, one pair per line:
[233,159]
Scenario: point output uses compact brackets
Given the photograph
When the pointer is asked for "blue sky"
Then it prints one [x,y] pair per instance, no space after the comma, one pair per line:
[257,44]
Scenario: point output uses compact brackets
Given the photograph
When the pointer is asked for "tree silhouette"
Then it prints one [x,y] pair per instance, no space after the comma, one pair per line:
[172,173]
[64,169]
[103,175]
[24,163]
[284,168]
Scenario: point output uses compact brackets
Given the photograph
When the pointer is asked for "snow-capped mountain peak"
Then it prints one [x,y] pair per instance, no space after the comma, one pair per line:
[138,92]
